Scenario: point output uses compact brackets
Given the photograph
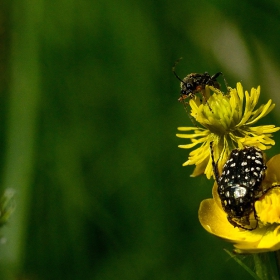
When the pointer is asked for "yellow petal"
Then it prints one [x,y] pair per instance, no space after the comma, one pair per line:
[214,220]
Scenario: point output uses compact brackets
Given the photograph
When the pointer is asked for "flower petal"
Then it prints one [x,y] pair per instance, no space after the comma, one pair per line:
[227,120]
[214,220]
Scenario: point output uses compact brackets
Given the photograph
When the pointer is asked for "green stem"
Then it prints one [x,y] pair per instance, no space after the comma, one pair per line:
[265,266]
[260,267]
[277,257]
[21,124]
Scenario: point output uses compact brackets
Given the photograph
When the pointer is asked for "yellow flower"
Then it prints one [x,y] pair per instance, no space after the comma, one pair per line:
[227,120]
[267,235]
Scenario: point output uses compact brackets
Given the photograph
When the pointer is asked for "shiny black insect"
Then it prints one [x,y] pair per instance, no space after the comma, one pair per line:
[239,186]
[195,82]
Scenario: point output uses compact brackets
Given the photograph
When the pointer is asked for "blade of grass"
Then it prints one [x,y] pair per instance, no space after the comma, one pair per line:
[248,269]
[21,126]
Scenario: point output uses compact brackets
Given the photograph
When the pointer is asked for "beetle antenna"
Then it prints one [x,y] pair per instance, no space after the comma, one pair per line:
[214,164]
[173,69]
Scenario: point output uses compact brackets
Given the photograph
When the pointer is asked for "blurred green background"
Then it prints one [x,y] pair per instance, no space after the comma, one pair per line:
[88,117]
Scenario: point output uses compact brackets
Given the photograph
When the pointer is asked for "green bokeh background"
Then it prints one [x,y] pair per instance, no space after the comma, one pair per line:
[89,111]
